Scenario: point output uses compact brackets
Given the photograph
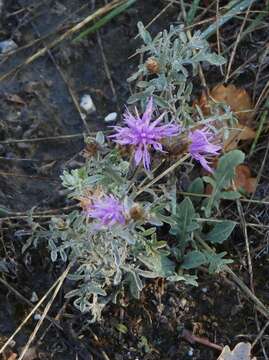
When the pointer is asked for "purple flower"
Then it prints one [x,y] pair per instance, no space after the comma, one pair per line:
[143,134]
[201,148]
[107,210]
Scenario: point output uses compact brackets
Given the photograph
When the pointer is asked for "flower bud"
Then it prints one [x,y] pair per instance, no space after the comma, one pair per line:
[136,212]
[152,66]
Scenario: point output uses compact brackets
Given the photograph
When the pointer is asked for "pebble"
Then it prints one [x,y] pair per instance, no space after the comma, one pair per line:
[111,117]
[87,104]
[7,46]
[37,317]
[191,352]
[34,297]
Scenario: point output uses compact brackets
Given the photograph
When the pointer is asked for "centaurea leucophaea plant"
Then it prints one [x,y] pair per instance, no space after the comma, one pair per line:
[201,147]
[144,134]
[131,213]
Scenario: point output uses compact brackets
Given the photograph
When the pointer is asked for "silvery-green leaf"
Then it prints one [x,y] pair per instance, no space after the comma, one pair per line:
[220,232]
[194,259]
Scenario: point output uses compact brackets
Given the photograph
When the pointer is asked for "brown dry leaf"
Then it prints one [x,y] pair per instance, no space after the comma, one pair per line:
[237,98]
[242,132]
[244,180]
[13,356]
[14,98]
[240,103]
[240,352]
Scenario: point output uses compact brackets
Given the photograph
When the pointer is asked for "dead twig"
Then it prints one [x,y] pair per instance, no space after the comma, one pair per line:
[46,310]
[192,339]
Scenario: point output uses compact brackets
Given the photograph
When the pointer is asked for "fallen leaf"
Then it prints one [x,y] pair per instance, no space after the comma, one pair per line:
[238,100]
[14,98]
[13,356]
[241,132]
[240,103]
[244,180]
[240,352]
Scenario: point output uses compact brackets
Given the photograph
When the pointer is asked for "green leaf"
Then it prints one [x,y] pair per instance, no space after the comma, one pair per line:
[121,328]
[196,187]
[192,12]
[216,261]
[213,59]
[185,221]
[187,278]
[159,264]
[145,35]
[194,259]
[220,232]
[222,178]
[230,195]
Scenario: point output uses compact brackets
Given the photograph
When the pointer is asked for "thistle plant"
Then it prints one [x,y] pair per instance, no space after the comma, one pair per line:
[114,236]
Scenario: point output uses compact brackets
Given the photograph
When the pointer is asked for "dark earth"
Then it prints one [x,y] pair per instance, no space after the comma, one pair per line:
[39,100]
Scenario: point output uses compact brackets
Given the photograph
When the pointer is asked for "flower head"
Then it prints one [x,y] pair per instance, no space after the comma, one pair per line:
[107,210]
[144,134]
[201,148]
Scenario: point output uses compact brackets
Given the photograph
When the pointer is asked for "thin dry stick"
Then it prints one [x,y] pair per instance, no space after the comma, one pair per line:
[200,70]
[248,293]
[259,336]
[60,137]
[69,87]
[29,316]
[261,226]
[251,201]
[259,329]
[158,15]
[33,335]
[262,59]
[218,35]
[106,67]
[237,42]
[74,29]
[261,168]
[166,172]
[24,299]
[245,232]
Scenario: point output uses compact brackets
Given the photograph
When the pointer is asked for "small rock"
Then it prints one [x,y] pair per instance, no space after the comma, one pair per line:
[87,104]
[7,46]
[37,317]
[190,352]
[34,297]
[111,117]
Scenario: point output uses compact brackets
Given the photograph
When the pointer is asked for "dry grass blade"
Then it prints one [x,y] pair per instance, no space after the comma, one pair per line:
[29,315]
[166,172]
[64,36]
[243,287]
[33,335]
[237,42]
